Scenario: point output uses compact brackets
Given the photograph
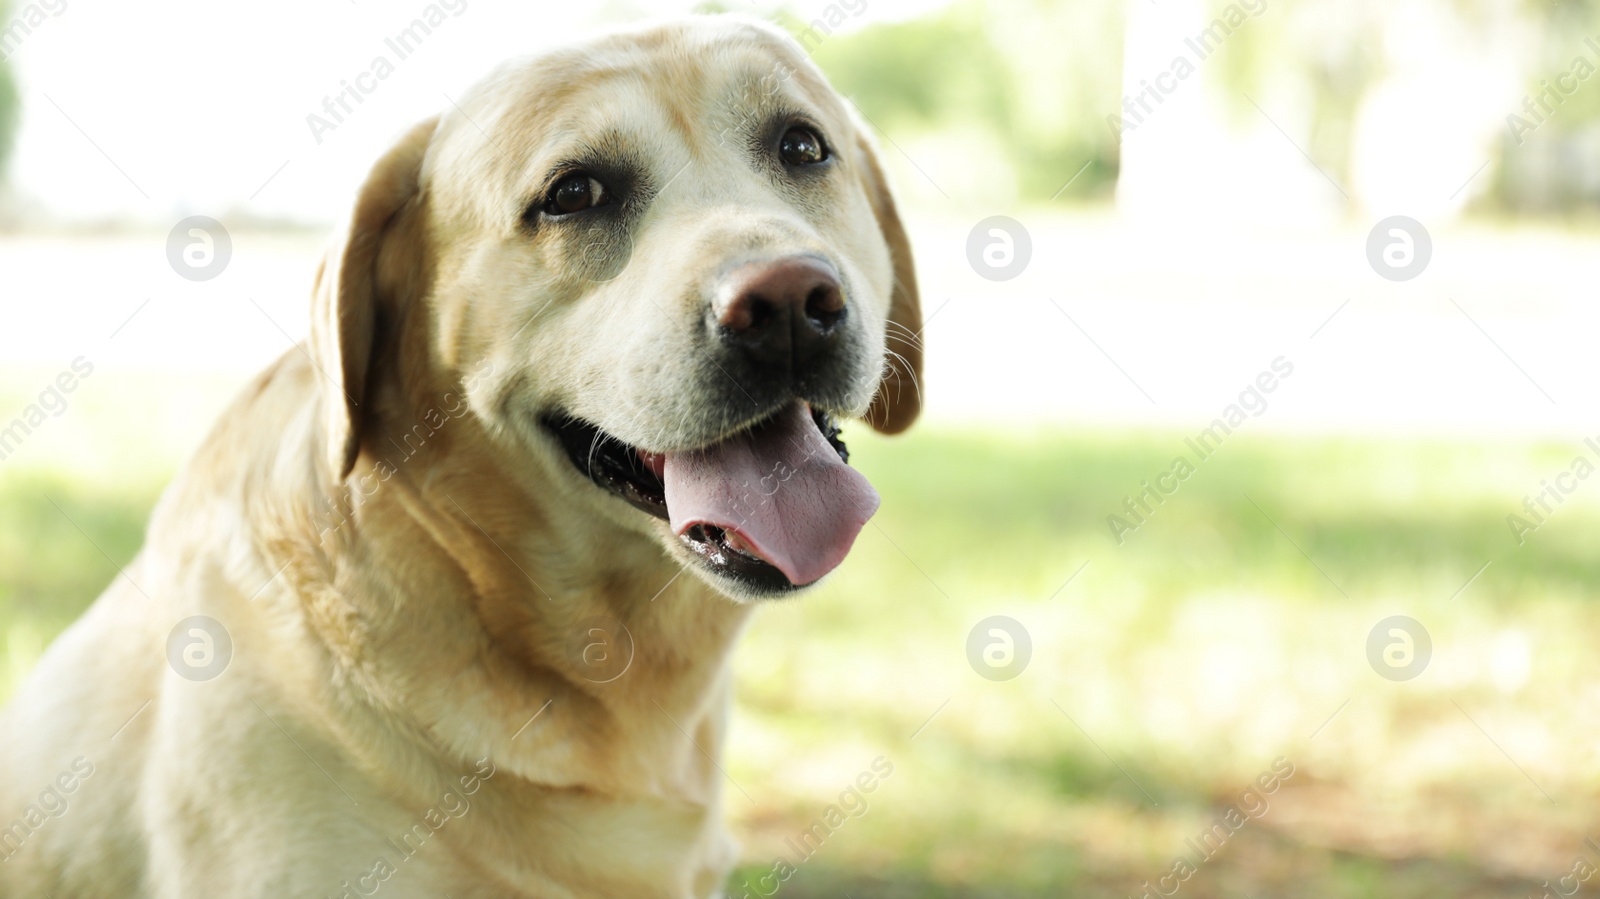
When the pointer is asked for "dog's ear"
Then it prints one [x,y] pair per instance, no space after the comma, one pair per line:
[345,300]
[899,396]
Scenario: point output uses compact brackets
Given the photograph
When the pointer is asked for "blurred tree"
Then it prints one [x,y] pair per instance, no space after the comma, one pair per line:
[10,101]
[1332,48]
[1038,76]
[1335,52]
[1551,140]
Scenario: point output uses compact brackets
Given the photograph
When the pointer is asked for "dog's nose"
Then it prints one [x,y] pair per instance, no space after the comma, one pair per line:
[783,312]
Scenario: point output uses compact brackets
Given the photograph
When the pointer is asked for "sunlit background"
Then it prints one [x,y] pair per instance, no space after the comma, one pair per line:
[1199,183]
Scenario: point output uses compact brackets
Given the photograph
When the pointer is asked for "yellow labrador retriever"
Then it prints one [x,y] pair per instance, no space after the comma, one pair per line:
[444,605]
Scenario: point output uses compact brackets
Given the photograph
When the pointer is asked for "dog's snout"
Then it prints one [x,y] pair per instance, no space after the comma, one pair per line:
[782,313]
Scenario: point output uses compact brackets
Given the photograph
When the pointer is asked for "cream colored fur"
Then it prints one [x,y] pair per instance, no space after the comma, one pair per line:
[402,557]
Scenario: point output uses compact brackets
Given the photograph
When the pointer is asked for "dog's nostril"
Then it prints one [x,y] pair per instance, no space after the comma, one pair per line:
[760,313]
[824,298]
[825,307]
[748,314]
[784,311]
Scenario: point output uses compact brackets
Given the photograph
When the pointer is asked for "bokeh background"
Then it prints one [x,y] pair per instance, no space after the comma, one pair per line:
[1222,225]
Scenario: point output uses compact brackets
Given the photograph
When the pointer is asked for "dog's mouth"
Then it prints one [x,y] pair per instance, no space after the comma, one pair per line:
[773,506]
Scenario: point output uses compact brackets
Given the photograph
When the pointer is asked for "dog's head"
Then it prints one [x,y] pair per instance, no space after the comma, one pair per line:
[663,264]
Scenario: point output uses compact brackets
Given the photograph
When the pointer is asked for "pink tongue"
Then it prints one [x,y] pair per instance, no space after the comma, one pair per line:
[782,489]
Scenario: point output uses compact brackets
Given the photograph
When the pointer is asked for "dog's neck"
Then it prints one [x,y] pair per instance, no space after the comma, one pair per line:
[455,602]
[536,601]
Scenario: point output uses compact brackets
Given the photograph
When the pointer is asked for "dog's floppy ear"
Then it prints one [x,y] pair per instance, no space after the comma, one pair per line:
[899,397]
[345,299]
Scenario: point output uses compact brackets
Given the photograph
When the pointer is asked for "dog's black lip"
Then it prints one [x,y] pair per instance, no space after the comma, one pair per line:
[710,544]
[616,467]
[609,463]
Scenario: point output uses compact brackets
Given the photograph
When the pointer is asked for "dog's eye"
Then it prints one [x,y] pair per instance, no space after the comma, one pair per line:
[575,193]
[801,146]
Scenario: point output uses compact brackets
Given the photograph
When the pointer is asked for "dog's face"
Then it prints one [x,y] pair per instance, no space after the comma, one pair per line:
[676,252]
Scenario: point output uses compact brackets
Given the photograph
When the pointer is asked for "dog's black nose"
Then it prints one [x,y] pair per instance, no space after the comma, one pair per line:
[782,314]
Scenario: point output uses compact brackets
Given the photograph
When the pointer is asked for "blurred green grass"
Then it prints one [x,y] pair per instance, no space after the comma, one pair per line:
[1188,658]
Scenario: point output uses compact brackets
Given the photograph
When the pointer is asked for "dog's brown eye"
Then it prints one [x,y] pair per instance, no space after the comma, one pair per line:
[801,146]
[575,193]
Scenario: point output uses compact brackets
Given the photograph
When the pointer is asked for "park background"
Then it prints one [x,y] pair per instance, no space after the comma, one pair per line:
[1171,264]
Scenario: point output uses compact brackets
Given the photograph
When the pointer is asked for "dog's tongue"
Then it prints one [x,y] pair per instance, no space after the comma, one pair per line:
[781,488]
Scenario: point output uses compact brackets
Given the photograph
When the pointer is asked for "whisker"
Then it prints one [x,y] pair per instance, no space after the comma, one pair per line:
[594,447]
[913,342]
[909,371]
[911,338]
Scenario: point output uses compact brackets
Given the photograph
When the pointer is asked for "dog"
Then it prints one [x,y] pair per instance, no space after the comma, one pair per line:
[445,602]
